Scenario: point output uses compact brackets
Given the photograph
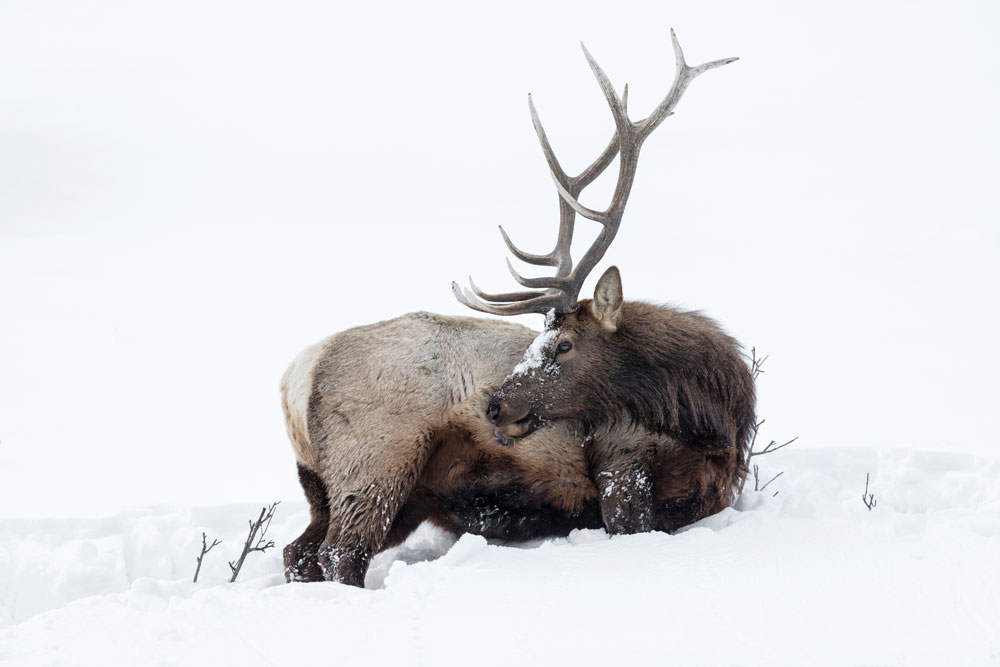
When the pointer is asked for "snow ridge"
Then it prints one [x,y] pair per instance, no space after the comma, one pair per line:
[823,568]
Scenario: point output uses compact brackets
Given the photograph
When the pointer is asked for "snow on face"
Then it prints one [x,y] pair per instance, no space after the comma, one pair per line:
[535,356]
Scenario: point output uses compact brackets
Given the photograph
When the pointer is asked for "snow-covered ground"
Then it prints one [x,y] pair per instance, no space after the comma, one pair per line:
[190,193]
[807,577]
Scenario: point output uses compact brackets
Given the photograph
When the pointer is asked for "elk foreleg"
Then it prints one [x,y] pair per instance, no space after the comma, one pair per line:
[622,471]
[625,494]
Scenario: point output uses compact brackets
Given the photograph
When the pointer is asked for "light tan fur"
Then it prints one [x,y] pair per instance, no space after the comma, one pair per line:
[396,412]
[296,388]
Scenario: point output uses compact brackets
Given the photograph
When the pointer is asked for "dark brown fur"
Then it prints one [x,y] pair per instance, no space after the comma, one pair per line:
[302,555]
[663,395]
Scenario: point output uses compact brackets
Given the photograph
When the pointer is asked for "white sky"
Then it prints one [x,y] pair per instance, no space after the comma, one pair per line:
[191,192]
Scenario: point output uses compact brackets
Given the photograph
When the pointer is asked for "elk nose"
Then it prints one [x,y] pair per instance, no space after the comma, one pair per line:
[493,411]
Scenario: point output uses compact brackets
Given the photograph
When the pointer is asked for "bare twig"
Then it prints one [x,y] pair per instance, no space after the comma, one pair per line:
[756,368]
[260,526]
[205,548]
[771,447]
[868,498]
[756,363]
[756,479]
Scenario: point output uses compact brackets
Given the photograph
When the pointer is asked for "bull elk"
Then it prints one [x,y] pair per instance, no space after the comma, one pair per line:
[625,415]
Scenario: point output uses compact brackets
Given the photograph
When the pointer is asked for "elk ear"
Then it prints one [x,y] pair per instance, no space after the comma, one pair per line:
[607,303]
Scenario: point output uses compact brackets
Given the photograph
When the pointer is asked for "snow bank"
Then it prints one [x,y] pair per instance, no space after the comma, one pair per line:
[809,576]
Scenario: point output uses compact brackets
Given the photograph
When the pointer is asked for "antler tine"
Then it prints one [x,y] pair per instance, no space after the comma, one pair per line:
[610,219]
[538,260]
[587,176]
[630,139]
[627,146]
[622,123]
[561,291]
[684,76]
[550,156]
[560,255]
[542,303]
[535,283]
[508,297]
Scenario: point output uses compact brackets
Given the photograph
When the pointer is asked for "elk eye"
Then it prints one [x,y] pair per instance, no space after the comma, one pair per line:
[564,346]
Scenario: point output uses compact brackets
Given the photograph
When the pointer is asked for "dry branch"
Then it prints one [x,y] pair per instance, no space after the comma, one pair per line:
[868,498]
[255,538]
[756,368]
[756,363]
[756,480]
[205,548]
[770,446]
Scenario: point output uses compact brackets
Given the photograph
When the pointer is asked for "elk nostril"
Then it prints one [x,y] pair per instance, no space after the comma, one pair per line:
[493,412]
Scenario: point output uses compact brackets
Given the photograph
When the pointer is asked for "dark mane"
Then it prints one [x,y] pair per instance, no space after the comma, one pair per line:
[674,372]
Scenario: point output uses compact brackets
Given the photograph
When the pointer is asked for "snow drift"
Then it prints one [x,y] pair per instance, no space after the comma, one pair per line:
[809,576]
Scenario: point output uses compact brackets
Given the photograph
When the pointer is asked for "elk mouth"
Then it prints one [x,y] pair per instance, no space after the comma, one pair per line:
[510,433]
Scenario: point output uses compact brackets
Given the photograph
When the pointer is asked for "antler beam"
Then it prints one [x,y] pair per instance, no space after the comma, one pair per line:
[562,290]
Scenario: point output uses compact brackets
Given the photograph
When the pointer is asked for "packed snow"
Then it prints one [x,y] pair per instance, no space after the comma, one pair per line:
[192,192]
[806,576]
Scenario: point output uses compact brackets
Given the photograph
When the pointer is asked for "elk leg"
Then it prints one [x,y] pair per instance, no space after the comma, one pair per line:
[679,512]
[625,495]
[367,494]
[622,471]
[410,516]
[301,555]
[691,485]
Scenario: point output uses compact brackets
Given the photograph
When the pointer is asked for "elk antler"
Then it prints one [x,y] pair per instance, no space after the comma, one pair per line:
[561,290]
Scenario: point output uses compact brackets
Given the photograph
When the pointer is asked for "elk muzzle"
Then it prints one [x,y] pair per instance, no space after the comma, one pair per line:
[510,421]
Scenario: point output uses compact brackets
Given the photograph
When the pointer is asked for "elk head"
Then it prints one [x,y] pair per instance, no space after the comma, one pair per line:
[576,333]
[556,378]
